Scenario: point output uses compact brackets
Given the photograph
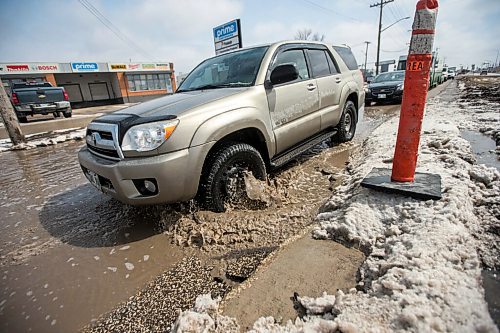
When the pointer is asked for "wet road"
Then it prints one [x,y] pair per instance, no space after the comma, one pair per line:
[70,254]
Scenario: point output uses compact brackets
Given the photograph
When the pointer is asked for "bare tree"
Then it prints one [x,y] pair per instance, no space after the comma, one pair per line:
[318,37]
[307,34]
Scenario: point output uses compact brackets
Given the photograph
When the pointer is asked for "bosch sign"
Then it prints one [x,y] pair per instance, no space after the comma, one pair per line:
[29,68]
[227,36]
[84,67]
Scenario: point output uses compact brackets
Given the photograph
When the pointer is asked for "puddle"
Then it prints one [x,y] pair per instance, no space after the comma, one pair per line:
[483,147]
[491,284]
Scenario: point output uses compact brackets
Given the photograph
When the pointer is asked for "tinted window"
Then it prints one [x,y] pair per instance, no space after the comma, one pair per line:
[346,55]
[333,67]
[319,63]
[295,57]
[390,76]
[30,85]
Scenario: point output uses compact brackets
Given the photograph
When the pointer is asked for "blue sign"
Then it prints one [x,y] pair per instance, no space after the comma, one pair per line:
[225,31]
[84,67]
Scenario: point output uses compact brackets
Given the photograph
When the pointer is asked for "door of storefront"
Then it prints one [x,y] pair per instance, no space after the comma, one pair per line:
[99,91]
[74,92]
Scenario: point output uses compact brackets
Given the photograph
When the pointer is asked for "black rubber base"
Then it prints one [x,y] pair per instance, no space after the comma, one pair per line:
[425,186]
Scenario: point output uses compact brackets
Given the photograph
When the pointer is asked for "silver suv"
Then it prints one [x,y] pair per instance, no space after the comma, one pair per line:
[253,109]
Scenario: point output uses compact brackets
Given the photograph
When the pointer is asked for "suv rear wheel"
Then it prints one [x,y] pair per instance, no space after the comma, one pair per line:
[347,125]
[223,178]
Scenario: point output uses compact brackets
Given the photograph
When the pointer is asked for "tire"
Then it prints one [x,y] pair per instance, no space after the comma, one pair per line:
[347,124]
[228,159]
[22,119]
[67,114]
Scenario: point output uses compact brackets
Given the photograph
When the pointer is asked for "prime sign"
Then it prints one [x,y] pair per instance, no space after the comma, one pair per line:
[84,67]
[227,37]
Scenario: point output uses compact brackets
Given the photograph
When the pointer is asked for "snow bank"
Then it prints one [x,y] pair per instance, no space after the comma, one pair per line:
[423,270]
[52,138]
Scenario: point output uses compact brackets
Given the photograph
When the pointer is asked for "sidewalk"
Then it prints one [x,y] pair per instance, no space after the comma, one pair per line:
[305,267]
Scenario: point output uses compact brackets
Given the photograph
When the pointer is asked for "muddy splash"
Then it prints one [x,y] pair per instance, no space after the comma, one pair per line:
[289,201]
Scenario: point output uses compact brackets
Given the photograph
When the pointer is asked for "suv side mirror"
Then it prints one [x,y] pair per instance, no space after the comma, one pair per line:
[284,73]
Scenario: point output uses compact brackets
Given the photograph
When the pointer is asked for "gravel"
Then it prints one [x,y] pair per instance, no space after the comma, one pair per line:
[156,307]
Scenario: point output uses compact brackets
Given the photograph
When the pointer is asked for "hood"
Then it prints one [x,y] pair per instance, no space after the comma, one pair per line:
[384,84]
[178,103]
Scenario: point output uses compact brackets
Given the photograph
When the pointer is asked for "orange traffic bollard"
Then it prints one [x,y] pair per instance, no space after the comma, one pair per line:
[403,179]
[416,84]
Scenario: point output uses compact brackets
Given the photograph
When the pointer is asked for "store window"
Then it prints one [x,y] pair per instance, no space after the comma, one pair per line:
[144,82]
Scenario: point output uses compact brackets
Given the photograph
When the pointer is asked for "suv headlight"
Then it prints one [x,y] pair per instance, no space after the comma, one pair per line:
[400,86]
[146,137]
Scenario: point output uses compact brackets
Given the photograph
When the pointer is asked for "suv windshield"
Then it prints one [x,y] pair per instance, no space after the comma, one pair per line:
[235,69]
[391,76]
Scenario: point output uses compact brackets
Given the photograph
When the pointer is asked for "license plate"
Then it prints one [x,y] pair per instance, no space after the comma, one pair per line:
[94,179]
[382,95]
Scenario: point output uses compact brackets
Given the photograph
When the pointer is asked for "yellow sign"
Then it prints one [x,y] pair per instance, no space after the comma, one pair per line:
[414,66]
[117,67]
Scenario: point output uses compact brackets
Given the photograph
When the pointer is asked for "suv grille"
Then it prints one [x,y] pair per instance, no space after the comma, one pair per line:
[102,140]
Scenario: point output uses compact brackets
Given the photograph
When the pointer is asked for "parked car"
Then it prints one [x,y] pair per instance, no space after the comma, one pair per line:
[252,109]
[445,74]
[483,72]
[451,73]
[386,87]
[29,99]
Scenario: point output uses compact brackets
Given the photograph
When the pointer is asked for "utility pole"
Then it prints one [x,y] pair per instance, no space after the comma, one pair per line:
[381,4]
[366,55]
[9,118]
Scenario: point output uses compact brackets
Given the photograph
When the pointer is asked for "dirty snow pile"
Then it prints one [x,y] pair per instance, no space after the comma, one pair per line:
[423,271]
[204,318]
[44,139]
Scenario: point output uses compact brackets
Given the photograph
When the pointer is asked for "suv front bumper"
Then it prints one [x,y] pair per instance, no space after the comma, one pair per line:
[176,175]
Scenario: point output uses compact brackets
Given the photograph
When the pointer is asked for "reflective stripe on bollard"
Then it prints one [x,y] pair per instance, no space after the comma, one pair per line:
[416,84]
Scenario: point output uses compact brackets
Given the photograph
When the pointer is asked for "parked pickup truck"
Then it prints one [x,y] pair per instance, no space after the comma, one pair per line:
[29,99]
[249,110]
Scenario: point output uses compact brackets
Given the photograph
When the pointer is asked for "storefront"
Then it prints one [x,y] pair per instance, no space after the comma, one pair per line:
[93,83]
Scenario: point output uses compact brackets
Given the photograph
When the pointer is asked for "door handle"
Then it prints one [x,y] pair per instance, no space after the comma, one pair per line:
[338,80]
[311,87]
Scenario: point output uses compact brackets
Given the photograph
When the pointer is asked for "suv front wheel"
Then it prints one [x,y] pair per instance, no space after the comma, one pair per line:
[223,177]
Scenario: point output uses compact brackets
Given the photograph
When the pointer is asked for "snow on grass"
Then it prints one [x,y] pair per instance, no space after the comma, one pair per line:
[423,270]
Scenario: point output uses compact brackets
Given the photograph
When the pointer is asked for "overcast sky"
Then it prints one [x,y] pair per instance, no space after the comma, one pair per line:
[468,31]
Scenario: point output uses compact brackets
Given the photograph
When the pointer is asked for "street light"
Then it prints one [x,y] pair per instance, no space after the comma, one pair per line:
[379,33]
[401,19]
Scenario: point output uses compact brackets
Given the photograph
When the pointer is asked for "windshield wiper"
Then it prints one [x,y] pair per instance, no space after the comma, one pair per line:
[216,86]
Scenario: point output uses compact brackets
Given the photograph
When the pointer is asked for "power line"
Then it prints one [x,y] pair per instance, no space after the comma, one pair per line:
[331,10]
[108,24]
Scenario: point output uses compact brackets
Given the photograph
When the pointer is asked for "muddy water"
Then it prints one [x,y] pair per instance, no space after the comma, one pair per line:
[484,148]
[68,253]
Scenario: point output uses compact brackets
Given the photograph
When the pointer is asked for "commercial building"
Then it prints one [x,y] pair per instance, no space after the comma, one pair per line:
[95,83]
